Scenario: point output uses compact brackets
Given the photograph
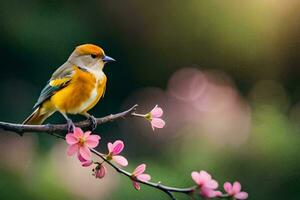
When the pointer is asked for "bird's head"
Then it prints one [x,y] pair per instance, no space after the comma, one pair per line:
[89,56]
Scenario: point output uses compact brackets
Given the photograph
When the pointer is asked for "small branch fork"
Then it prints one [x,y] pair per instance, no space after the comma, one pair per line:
[52,129]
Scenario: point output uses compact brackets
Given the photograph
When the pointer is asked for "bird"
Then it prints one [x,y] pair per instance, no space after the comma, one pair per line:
[74,88]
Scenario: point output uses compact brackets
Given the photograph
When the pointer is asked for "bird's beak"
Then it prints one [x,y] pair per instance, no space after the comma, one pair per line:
[108,59]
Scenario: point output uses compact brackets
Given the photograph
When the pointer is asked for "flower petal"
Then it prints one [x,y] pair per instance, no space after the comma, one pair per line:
[71,139]
[212,184]
[78,133]
[236,187]
[87,163]
[156,112]
[80,158]
[110,147]
[217,193]
[87,134]
[84,162]
[228,187]
[241,195]
[100,173]
[72,149]
[209,193]
[85,152]
[157,123]
[120,160]
[144,177]
[139,169]
[118,146]
[204,176]
[92,141]
[136,185]
[196,177]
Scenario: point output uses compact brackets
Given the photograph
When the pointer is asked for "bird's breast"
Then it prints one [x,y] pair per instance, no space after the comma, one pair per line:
[81,94]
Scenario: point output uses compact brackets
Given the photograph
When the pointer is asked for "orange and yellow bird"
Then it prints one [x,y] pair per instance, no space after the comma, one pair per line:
[75,87]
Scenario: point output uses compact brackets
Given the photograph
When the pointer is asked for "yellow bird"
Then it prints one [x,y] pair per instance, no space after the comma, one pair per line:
[75,87]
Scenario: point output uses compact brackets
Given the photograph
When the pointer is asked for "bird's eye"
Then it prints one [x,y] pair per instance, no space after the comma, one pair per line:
[93,56]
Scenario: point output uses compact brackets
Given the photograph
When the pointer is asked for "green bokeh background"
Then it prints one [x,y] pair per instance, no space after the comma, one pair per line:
[253,42]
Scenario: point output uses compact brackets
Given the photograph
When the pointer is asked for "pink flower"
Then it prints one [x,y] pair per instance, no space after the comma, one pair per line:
[204,179]
[209,193]
[154,117]
[81,143]
[113,151]
[138,174]
[206,184]
[99,171]
[235,190]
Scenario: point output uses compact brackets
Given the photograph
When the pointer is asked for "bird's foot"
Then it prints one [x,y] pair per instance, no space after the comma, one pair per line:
[71,126]
[93,122]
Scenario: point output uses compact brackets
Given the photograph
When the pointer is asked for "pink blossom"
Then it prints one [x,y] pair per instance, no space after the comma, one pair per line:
[206,184]
[235,190]
[99,171]
[81,143]
[204,179]
[209,193]
[138,174]
[154,116]
[113,151]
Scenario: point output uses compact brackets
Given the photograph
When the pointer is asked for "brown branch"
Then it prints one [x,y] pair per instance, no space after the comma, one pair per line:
[51,128]
[168,190]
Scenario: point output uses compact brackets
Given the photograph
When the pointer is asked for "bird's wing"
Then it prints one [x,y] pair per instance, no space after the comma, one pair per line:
[60,79]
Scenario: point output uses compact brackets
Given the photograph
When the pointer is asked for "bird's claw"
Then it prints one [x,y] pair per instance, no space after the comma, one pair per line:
[93,122]
[71,126]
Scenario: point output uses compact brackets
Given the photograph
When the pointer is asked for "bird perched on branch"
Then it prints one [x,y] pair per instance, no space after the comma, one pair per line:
[75,87]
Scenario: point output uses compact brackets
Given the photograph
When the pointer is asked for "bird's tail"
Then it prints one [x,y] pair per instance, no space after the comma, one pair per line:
[37,117]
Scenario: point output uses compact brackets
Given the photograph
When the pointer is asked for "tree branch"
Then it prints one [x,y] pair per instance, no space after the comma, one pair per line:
[51,128]
[168,190]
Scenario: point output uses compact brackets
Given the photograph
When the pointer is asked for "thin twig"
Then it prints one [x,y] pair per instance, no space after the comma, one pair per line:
[168,190]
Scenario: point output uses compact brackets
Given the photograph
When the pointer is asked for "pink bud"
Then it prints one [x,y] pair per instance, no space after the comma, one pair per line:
[100,171]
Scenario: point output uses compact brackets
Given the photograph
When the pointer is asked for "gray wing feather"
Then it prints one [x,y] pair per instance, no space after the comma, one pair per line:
[64,71]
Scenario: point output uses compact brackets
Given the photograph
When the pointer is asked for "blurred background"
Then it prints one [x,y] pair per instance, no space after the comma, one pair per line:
[226,74]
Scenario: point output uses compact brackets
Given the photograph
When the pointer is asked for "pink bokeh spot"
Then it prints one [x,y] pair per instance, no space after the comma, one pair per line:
[138,174]
[234,190]
[80,143]
[187,89]
[114,149]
